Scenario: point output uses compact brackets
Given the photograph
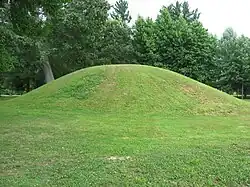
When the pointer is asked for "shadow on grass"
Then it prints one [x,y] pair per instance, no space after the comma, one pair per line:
[4,98]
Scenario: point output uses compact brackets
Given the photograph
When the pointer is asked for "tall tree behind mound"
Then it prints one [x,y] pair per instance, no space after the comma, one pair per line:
[184,47]
[121,12]
[178,10]
[78,34]
[31,20]
[144,41]
[178,41]
[233,62]
[63,34]
[19,52]
[116,44]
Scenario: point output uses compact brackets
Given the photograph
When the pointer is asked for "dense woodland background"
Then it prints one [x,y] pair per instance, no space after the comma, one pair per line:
[43,40]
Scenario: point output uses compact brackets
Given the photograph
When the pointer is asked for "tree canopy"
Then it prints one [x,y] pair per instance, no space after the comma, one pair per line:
[121,12]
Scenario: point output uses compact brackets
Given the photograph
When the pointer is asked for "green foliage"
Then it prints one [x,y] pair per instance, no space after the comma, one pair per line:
[17,52]
[29,17]
[182,46]
[26,24]
[116,44]
[77,34]
[121,12]
[233,60]
[144,41]
[8,57]
[183,10]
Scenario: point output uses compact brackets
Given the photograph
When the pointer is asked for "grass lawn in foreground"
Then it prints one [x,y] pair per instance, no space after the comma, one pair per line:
[45,149]
[157,129]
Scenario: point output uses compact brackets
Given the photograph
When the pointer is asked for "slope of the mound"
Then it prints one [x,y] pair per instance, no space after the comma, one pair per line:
[131,89]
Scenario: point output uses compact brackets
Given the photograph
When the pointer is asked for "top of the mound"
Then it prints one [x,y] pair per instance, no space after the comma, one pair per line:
[131,89]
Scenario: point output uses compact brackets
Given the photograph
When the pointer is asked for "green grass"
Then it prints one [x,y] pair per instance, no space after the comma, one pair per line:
[125,126]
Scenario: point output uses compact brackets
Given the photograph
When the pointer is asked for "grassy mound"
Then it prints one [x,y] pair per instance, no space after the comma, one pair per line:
[132,89]
[94,128]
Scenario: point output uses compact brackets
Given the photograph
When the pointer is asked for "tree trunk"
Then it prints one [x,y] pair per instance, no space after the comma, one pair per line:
[47,70]
[28,85]
[245,92]
[48,74]
[242,91]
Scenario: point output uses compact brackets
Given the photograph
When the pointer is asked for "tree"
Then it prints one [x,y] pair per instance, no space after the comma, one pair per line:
[144,41]
[184,47]
[64,34]
[183,10]
[31,20]
[77,35]
[116,45]
[177,41]
[121,12]
[233,60]
[16,51]
[243,45]
[7,40]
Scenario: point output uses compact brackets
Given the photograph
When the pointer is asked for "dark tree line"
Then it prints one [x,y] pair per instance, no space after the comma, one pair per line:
[43,40]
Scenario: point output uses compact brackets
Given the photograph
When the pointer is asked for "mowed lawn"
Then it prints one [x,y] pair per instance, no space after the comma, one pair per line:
[53,148]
